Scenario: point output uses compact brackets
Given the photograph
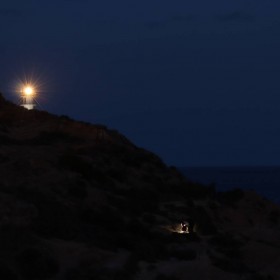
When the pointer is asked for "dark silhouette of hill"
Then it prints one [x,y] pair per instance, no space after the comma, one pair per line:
[80,201]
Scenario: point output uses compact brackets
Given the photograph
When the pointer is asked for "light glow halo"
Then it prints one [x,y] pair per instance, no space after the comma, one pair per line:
[28,90]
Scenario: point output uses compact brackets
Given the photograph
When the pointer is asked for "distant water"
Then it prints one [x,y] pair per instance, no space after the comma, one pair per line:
[264,180]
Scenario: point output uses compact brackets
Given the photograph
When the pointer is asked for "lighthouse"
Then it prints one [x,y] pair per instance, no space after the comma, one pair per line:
[27,97]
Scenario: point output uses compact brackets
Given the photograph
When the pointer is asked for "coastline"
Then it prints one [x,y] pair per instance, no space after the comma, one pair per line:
[265,180]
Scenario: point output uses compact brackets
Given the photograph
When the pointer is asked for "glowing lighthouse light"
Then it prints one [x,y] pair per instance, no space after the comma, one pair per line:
[28,90]
[27,97]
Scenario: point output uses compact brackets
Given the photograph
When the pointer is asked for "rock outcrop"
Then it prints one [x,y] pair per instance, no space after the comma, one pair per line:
[80,201]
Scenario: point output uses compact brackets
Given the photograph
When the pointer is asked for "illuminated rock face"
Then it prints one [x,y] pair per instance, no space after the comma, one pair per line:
[28,105]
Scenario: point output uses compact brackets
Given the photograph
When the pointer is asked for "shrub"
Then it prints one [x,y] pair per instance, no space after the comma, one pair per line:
[117,174]
[145,199]
[78,190]
[103,216]
[225,240]
[148,251]
[274,217]
[204,222]
[11,240]
[52,137]
[100,273]
[4,128]
[36,264]
[6,140]
[6,273]
[124,240]
[3,158]
[184,254]
[228,245]
[232,197]
[229,265]
[166,277]
[65,118]
[130,267]
[257,276]
[149,218]
[55,220]
[76,164]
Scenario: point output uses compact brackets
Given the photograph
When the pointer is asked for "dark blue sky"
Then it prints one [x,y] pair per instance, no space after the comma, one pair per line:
[197,82]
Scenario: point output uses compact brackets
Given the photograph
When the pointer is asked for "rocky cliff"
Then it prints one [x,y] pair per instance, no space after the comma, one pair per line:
[80,201]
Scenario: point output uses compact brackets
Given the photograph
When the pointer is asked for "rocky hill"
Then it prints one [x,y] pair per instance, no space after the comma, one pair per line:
[81,202]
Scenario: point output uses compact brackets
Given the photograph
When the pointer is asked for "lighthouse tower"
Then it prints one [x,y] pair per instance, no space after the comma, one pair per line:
[27,97]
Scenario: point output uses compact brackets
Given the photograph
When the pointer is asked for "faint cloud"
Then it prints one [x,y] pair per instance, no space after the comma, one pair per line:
[170,20]
[235,16]
[10,12]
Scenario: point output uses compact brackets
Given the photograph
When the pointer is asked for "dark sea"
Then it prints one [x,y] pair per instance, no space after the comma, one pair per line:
[264,180]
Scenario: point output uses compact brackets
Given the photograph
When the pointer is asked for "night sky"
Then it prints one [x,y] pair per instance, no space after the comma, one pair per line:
[196,82]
